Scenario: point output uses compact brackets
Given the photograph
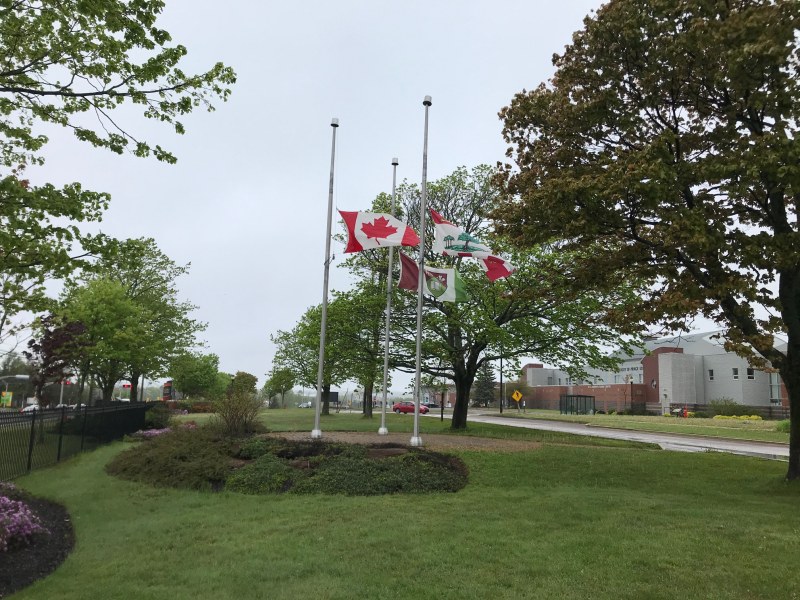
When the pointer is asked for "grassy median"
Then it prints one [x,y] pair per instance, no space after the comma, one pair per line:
[563,521]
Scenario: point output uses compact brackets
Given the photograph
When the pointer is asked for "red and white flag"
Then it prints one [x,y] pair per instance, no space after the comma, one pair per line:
[495,267]
[368,230]
[453,240]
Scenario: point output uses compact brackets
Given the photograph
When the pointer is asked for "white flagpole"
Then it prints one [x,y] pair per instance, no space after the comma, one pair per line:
[317,431]
[415,439]
[383,430]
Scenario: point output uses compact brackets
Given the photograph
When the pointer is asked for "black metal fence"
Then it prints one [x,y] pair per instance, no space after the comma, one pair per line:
[29,440]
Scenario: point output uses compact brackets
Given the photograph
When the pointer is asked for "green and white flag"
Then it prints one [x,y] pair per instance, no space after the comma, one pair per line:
[445,285]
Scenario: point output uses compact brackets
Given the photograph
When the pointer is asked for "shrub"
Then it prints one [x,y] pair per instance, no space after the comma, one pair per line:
[184,458]
[239,413]
[728,407]
[267,475]
[739,417]
[157,416]
[783,426]
[201,407]
[414,472]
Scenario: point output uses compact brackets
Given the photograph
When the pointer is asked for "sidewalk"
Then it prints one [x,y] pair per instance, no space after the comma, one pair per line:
[667,441]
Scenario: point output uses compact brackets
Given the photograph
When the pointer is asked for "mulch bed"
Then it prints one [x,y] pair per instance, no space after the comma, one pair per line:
[19,567]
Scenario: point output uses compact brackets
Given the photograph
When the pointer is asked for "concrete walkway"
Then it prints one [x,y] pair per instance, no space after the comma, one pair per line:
[668,441]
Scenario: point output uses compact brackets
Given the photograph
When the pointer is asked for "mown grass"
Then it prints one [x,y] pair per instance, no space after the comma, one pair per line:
[296,419]
[564,521]
[760,431]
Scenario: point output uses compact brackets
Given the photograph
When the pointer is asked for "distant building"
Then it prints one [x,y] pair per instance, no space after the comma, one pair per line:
[691,369]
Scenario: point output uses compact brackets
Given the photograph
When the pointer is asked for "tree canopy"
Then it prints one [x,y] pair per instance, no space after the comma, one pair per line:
[75,64]
[666,145]
[531,313]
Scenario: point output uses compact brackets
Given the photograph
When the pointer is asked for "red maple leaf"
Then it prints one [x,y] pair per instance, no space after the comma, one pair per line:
[379,228]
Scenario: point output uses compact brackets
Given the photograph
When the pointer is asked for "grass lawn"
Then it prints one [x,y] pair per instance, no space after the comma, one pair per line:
[760,431]
[563,521]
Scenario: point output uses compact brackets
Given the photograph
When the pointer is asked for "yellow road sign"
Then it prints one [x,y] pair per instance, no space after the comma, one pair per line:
[516,396]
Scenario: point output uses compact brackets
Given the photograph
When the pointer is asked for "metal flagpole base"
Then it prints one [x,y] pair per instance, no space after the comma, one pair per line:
[383,431]
[416,441]
[316,434]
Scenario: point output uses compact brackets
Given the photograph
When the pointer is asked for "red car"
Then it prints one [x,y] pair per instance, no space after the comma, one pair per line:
[408,407]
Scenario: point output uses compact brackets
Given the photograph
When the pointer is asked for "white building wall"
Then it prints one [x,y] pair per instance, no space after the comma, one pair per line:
[723,385]
[678,381]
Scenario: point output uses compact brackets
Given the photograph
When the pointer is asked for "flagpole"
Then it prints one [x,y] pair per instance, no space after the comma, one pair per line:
[316,433]
[416,440]
[383,430]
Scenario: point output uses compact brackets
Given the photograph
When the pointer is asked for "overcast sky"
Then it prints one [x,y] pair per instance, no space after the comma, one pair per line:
[246,203]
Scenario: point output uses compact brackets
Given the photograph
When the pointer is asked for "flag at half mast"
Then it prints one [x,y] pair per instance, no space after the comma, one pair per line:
[445,285]
[368,230]
[452,240]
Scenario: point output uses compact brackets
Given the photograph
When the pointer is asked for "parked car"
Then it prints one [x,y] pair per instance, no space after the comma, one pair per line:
[408,407]
[305,405]
[431,404]
[29,408]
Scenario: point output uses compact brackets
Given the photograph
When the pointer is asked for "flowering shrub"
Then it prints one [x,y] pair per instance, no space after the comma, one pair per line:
[18,524]
[151,433]
[740,417]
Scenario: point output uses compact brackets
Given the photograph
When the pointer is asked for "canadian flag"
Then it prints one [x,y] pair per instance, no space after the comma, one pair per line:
[368,230]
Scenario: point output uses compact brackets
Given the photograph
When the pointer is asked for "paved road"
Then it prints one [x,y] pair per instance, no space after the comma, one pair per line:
[668,441]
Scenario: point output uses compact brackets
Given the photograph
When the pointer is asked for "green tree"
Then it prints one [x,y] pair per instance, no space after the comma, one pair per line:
[298,350]
[75,64]
[195,374]
[667,145]
[280,381]
[531,313]
[15,364]
[113,323]
[148,277]
[484,385]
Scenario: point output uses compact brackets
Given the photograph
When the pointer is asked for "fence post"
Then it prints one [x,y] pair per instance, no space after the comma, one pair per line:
[60,434]
[83,428]
[30,442]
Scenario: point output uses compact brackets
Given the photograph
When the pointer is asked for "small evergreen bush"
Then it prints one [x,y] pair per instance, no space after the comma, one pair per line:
[266,475]
[783,426]
[184,458]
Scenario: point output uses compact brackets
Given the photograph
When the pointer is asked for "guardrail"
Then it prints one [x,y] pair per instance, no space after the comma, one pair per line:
[30,440]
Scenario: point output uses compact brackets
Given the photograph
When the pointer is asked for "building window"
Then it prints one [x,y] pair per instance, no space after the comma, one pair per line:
[735,373]
[751,373]
[711,374]
[774,388]
[549,381]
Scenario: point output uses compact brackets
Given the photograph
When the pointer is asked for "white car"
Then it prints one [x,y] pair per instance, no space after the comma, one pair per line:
[29,408]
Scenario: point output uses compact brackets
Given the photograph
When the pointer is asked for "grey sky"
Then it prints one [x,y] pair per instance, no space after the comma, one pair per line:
[246,202]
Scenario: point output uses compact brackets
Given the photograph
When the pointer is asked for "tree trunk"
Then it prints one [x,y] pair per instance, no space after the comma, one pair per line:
[135,377]
[367,409]
[790,374]
[326,392]
[463,387]
[108,391]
